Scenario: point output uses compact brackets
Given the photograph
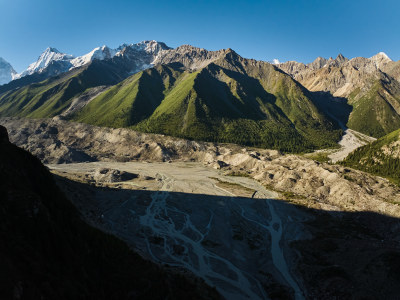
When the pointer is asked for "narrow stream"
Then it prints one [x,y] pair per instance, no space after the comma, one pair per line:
[278,258]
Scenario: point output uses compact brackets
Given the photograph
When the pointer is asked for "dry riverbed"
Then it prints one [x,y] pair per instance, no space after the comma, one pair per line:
[228,230]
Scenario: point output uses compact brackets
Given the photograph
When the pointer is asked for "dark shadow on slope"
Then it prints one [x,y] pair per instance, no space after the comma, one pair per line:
[335,108]
[48,252]
[219,97]
[335,255]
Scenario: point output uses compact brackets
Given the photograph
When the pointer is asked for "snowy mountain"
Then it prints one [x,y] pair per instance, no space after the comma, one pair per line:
[99,53]
[139,56]
[49,56]
[7,73]
[380,59]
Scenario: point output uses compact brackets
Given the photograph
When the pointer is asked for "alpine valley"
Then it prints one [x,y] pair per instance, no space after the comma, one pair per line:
[218,176]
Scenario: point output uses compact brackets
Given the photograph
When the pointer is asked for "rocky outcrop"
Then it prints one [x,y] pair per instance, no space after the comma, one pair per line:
[190,57]
[339,76]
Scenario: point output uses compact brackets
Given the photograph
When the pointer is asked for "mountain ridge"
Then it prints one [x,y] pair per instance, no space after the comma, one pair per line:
[370,86]
[231,99]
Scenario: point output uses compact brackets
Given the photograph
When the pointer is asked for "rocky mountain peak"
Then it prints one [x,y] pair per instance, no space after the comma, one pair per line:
[44,60]
[340,58]
[51,49]
[380,59]
[150,47]
[318,63]
[99,53]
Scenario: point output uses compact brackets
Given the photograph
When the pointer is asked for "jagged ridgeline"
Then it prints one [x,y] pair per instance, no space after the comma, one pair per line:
[370,87]
[225,98]
[230,100]
[381,157]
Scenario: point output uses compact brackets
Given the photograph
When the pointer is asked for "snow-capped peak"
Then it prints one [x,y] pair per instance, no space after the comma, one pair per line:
[381,55]
[51,49]
[151,47]
[380,59]
[144,50]
[48,56]
[99,53]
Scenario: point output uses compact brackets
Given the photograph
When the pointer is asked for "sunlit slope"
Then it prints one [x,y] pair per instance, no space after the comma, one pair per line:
[230,100]
[50,97]
[381,157]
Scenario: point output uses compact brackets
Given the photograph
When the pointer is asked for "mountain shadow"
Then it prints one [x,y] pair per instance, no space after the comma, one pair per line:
[336,108]
[252,247]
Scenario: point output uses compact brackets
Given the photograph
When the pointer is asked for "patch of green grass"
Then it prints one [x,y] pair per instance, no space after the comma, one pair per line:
[50,97]
[372,112]
[235,187]
[290,195]
[319,156]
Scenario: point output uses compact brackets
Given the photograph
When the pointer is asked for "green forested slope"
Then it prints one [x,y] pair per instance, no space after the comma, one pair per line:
[50,97]
[230,100]
[376,110]
[381,157]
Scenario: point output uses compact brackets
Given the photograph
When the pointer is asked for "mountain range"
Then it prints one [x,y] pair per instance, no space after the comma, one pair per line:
[368,88]
[53,62]
[211,95]
[191,93]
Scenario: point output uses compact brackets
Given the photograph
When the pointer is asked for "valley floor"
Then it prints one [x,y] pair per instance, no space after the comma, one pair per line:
[351,140]
[182,215]
[234,233]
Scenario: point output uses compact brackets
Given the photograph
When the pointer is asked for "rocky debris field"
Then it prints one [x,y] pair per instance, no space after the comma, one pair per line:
[296,178]
[236,234]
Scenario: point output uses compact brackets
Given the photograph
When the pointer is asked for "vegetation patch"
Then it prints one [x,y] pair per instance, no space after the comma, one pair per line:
[373,158]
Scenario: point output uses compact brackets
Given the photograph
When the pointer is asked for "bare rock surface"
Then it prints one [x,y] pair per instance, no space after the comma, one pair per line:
[80,101]
[341,76]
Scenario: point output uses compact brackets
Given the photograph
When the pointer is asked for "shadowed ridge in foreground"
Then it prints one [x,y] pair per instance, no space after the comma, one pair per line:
[48,252]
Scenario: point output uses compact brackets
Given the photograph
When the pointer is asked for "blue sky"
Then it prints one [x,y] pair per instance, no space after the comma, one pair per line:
[283,29]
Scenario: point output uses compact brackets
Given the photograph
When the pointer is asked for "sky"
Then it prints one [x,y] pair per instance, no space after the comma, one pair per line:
[260,29]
